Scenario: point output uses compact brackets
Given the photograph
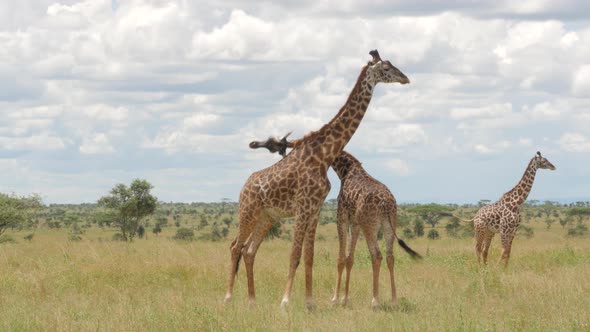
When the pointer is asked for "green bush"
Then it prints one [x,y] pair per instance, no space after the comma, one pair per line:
[119,237]
[184,234]
[433,234]
[6,238]
[579,230]
[525,231]
[408,234]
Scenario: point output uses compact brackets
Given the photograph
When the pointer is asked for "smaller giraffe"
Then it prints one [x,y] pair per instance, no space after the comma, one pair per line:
[363,205]
[503,216]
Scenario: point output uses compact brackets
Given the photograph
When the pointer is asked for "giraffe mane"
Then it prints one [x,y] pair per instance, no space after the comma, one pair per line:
[312,134]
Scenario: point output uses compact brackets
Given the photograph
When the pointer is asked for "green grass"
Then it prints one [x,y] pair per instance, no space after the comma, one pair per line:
[160,284]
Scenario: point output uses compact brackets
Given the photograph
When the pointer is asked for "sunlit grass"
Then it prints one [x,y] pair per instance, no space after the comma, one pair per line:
[160,284]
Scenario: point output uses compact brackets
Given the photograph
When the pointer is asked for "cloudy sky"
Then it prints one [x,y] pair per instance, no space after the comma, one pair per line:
[94,93]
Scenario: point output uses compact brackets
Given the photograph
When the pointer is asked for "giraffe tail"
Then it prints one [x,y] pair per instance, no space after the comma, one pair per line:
[392,221]
[448,214]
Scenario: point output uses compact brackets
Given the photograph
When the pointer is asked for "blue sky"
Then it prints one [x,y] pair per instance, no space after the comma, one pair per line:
[94,93]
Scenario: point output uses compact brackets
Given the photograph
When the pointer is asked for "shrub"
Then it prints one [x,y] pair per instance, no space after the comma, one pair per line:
[579,230]
[29,237]
[6,238]
[525,231]
[433,234]
[184,234]
[407,233]
[118,237]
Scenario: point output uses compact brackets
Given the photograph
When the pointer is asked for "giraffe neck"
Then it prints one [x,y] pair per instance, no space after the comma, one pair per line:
[518,195]
[330,140]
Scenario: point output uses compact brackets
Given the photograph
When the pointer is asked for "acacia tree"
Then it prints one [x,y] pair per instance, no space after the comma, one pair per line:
[430,212]
[130,205]
[17,211]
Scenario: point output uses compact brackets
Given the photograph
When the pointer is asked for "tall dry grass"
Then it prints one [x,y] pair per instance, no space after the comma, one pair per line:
[159,284]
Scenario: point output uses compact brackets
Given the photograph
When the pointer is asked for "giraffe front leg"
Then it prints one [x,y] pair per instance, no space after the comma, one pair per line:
[298,236]
[341,227]
[486,246]
[506,247]
[308,260]
[355,232]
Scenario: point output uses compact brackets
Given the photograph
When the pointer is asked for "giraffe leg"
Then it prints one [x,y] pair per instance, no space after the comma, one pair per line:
[341,227]
[308,260]
[247,221]
[370,233]
[298,236]
[506,239]
[486,245]
[355,231]
[390,239]
[479,237]
[251,248]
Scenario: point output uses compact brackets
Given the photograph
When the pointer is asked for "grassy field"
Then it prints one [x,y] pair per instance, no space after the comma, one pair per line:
[159,284]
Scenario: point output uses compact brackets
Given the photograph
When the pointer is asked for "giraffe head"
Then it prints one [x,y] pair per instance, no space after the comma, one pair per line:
[382,71]
[344,163]
[273,145]
[542,162]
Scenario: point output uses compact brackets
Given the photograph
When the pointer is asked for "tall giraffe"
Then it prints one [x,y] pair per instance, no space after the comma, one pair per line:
[503,216]
[298,184]
[363,203]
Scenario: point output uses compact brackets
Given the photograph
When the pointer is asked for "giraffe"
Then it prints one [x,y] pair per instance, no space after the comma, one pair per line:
[298,184]
[503,216]
[363,203]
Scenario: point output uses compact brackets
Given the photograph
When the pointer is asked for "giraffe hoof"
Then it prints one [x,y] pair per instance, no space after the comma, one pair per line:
[310,305]
[284,304]
[227,298]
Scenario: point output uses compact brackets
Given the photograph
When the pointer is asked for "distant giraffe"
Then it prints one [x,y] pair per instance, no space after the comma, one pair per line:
[503,216]
[298,184]
[363,203]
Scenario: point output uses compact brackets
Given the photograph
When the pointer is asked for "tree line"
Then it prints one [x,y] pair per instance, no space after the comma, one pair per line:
[134,212]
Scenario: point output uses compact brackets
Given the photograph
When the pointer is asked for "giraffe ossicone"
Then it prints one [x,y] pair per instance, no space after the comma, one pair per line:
[298,184]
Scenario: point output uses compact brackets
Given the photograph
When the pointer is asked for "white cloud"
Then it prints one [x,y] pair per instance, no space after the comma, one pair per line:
[34,143]
[96,144]
[491,111]
[575,142]
[581,85]
[398,166]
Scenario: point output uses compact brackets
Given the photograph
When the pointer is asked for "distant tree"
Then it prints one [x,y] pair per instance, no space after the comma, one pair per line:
[433,234]
[564,221]
[140,231]
[430,212]
[130,206]
[227,221]
[407,233]
[203,222]
[17,211]
[157,229]
[580,212]
[549,221]
[452,227]
[579,230]
[184,234]
[418,227]
[483,202]
[525,231]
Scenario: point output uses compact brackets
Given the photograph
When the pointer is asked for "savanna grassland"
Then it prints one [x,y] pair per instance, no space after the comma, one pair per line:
[52,282]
